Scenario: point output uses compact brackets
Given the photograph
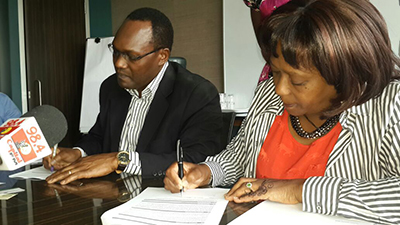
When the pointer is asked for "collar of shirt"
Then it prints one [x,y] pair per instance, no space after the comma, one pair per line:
[149,91]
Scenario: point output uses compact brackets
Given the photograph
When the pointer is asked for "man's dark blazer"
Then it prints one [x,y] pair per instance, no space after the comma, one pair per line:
[185,106]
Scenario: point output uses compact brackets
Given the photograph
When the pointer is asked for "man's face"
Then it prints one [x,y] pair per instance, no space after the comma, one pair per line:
[134,38]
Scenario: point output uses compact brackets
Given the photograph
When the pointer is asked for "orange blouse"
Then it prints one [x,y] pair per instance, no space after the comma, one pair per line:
[282,157]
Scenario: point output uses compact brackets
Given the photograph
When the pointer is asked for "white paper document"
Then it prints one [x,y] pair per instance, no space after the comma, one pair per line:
[159,206]
[277,213]
[38,173]
[11,191]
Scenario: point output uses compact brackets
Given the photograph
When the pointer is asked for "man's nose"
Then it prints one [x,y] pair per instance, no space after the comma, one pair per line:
[119,62]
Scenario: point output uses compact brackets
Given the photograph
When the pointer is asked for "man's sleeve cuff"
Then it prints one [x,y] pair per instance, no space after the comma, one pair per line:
[83,153]
[321,195]
[132,183]
[135,166]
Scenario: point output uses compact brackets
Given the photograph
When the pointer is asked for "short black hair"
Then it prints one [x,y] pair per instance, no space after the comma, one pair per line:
[163,33]
[346,40]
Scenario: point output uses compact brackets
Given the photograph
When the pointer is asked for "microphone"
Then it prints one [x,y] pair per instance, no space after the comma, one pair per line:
[28,138]
[51,121]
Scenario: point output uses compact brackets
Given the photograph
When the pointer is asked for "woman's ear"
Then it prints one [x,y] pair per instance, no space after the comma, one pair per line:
[164,55]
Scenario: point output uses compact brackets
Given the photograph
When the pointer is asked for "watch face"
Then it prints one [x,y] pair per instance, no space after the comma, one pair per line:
[123,197]
[123,157]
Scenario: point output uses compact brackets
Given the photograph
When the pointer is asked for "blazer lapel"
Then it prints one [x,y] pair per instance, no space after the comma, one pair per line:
[347,121]
[120,106]
[157,109]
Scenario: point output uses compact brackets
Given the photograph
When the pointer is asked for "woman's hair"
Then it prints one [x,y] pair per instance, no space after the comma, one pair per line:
[163,32]
[346,40]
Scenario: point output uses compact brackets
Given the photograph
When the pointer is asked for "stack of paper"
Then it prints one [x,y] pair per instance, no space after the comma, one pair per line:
[159,206]
[9,193]
[277,213]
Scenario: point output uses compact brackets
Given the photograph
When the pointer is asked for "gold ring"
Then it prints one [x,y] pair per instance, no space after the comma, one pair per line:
[69,172]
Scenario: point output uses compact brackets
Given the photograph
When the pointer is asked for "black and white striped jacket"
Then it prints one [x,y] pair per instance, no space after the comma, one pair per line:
[362,177]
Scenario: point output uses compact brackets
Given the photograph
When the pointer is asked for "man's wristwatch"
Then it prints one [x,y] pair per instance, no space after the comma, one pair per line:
[123,161]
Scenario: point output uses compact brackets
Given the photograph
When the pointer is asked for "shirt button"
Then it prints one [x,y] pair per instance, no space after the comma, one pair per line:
[319,208]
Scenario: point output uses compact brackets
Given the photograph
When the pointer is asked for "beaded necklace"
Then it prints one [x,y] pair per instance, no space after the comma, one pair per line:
[319,132]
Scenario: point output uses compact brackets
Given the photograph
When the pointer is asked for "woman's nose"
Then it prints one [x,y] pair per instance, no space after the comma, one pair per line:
[282,85]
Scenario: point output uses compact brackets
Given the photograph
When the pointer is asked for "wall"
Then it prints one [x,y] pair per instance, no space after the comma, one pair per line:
[198,32]
[100,18]
[242,59]
[243,62]
[5,79]
[390,10]
[10,82]
[10,70]
[15,73]
[198,37]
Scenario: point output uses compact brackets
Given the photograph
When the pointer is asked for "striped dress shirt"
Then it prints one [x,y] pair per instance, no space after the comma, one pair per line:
[362,177]
[134,121]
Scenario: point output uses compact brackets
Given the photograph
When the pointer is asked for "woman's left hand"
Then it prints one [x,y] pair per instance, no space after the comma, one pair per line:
[251,189]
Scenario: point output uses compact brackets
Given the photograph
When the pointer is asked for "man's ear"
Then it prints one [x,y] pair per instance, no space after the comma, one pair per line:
[164,56]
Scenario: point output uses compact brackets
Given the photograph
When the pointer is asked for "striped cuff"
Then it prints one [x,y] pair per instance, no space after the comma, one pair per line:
[217,173]
[132,183]
[321,195]
[135,166]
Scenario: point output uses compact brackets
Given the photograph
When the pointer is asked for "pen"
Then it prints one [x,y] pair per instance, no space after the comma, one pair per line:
[58,198]
[54,155]
[180,161]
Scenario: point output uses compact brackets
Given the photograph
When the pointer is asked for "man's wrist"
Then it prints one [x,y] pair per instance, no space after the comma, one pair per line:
[206,174]
[81,151]
[115,161]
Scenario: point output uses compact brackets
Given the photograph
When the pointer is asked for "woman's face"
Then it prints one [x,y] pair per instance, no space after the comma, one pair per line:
[303,91]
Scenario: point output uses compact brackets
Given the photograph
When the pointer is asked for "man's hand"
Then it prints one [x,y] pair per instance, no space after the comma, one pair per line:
[90,189]
[88,167]
[194,176]
[64,157]
[250,189]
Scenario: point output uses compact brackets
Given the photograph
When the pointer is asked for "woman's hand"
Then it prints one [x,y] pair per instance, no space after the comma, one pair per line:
[251,189]
[194,176]
[64,157]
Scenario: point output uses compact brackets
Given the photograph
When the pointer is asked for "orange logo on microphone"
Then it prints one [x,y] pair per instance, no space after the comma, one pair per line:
[24,146]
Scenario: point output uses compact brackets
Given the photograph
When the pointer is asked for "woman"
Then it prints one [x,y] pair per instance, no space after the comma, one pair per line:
[260,10]
[324,131]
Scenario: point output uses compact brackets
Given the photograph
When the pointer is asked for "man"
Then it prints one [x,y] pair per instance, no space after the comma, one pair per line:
[145,108]
[8,110]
